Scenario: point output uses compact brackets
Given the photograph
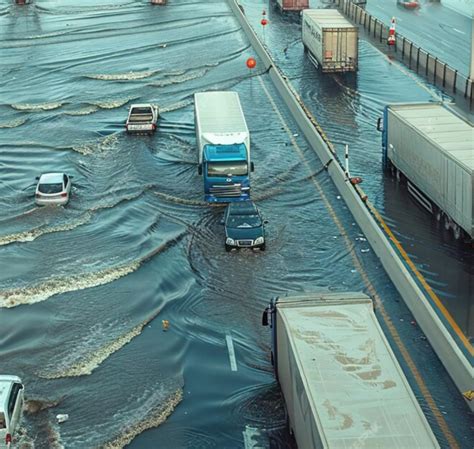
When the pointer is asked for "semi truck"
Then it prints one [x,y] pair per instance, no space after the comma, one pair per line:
[341,382]
[223,144]
[332,42]
[292,5]
[432,148]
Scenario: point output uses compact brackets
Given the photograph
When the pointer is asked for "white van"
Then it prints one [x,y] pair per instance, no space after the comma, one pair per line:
[11,408]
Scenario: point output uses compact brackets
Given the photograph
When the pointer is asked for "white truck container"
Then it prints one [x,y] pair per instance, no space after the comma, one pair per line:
[434,149]
[292,5]
[341,381]
[331,40]
[223,144]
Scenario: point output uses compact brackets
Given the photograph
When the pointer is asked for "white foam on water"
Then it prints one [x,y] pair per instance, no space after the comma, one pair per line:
[177,200]
[112,103]
[13,123]
[86,356]
[103,144]
[176,106]
[41,292]
[36,107]
[129,76]
[180,78]
[153,417]
[32,294]
[32,234]
[83,111]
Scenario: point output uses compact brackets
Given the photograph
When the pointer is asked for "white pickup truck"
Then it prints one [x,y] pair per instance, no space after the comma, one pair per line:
[142,118]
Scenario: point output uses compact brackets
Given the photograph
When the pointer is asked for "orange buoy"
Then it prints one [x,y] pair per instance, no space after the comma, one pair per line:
[251,63]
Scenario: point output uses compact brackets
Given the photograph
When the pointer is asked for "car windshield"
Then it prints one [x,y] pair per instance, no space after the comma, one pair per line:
[244,221]
[222,169]
[50,188]
[2,421]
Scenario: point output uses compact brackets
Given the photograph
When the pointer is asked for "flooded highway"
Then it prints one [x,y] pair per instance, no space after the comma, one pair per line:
[84,289]
[347,108]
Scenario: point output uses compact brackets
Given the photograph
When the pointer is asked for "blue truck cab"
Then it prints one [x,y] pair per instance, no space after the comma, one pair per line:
[223,146]
[226,173]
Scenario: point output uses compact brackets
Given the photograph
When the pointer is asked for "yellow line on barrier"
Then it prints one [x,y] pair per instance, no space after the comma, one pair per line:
[372,290]
[422,280]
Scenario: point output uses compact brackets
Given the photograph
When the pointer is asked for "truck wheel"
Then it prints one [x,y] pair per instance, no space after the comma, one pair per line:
[262,247]
[447,222]
[457,231]
[227,248]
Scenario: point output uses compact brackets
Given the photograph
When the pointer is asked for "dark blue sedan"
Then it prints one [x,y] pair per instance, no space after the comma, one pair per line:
[244,226]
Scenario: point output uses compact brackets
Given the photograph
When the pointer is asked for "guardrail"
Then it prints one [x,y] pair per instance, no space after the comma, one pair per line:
[433,69]
[459,368]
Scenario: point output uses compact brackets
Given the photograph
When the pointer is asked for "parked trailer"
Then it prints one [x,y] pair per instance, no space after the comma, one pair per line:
[341,381]
[292,5]
[331,40]
[433,149]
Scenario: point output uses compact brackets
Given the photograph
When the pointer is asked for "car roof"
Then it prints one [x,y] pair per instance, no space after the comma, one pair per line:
[51,178]
[243,208]
[141,105]
[5,384]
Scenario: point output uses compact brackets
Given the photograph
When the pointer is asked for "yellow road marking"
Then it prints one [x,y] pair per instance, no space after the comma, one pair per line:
[372,290]
[422,280]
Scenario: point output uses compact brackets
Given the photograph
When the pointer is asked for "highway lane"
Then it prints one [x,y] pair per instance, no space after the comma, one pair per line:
[84,289]
[436,28]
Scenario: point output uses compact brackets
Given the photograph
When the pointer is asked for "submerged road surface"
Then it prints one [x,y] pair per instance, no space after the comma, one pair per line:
[84,289]
[347,108]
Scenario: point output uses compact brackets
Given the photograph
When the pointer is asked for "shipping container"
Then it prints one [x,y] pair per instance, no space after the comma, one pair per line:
[292,5]
[342,384]
[433,148]
[332,42]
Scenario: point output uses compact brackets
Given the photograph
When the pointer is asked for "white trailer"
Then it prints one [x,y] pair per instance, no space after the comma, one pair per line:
[434,149]
[223,144]
[341,381]
[331,40]
[292,5]
[219,120]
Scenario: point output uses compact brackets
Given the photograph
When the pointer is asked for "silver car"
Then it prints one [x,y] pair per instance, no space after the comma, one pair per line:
[11,408]
[142,118]
[53,188]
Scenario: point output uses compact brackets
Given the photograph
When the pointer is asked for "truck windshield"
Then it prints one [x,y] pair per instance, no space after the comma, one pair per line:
[3,424]
[222,169]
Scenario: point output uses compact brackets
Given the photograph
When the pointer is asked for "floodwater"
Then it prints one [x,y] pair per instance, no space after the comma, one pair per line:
[347,108]
[84,289]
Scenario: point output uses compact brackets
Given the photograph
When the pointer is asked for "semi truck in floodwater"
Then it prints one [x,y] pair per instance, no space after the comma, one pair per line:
[432,148]
[332,42]
[292,5]
[342,384]
[223,144]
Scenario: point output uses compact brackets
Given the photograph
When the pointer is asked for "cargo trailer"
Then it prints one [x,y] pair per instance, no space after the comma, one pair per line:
[223,146]
[332,42]
[342,384]
[433,149]
[292,5]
